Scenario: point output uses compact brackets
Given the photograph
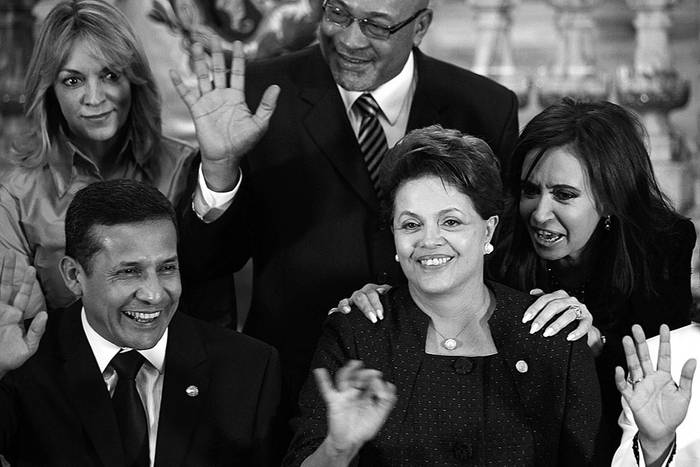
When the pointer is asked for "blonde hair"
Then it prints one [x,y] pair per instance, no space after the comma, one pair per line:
[111,39]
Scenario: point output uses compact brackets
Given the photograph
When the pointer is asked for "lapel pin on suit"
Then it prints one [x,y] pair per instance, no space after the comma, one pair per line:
[192,391]
[521,366]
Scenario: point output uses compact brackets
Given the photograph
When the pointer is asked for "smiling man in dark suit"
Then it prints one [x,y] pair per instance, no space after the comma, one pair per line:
[122,378]
[295,190]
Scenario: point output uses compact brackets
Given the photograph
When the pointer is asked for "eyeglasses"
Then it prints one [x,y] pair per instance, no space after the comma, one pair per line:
[369,28]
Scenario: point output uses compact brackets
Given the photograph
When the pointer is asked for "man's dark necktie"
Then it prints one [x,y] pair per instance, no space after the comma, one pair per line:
[128,408]
[371,137]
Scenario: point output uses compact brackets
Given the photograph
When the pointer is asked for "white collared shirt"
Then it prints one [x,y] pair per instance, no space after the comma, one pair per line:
[149,379]
[394,99]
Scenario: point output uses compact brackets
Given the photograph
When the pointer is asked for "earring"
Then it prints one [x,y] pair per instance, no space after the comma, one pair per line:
[488,249]
[396,258]
[607,223]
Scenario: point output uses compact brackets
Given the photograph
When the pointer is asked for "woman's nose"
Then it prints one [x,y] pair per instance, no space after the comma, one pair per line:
[543,210]
[433,236]
[94,93]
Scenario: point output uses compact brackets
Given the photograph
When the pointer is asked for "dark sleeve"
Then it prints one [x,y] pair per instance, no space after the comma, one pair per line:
[8,416]
[509,134]
[210,250]
[335,347]
[267,421]
[581,429]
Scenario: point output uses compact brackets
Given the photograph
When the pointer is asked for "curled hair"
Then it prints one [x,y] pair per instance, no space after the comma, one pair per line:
[609,143]
[111,39]
[462,161]
[108,203]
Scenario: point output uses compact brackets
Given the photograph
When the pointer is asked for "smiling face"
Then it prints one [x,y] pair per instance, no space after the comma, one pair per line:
[360,63]
[558,205]
[133,288]
[439,237]
[94,99]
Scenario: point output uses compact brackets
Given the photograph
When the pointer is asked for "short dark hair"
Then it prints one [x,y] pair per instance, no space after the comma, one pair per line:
[462,161]
[109,203]
[609,143]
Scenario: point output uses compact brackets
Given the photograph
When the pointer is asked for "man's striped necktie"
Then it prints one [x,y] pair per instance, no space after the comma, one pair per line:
[371,137]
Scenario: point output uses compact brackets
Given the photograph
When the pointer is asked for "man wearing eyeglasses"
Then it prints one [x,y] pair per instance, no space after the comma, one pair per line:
[294,185]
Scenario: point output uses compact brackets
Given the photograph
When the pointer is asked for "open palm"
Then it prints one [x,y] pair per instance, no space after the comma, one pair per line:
[226,128]
[16,344]
[658,404]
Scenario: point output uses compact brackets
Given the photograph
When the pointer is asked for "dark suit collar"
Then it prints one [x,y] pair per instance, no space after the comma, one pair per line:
[185,386]
[427,104]
[327,125]
[87,390]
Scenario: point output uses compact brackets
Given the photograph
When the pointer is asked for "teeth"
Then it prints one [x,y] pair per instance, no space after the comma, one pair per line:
[142,317]
[547,236]
[434,261]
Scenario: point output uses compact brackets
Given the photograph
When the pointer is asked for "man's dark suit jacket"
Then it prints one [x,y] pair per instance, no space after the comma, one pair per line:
[56,410]
[306,211]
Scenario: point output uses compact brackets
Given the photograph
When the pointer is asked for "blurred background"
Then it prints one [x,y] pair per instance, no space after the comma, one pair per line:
[643,54]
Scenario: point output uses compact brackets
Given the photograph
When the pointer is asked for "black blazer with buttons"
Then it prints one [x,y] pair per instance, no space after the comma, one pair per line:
[555,382]
[55,410]
[307,213]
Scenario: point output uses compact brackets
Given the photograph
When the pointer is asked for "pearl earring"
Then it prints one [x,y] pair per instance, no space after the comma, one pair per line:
[396,258]
[488,248]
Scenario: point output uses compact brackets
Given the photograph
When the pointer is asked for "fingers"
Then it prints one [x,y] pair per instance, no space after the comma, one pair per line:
[344,375]
[25,291]
[687,372]
[642,350]
[634,368]
[622,383]
[362,301]
[218,63]
[538,305]
[187,94]
[35,331]
[383,393]
[663,360]
[585,324]
[546,307]
[342,307]
[324,383]
[238,67]
[7,276]
[201,68]
[267,106]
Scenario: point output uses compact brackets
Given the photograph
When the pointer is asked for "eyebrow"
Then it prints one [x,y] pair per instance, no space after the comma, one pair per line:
[365,15]
[170,259]
[556,185]
[442,212]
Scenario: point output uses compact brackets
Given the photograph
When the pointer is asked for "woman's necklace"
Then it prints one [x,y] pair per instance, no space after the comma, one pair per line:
[449,343]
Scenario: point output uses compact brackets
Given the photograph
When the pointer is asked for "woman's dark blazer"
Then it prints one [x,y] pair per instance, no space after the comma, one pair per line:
[554,379]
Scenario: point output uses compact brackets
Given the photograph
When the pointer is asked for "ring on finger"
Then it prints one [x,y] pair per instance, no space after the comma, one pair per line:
[577,310]
[633,381]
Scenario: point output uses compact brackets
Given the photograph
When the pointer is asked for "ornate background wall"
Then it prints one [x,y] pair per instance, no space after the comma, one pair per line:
[644,54]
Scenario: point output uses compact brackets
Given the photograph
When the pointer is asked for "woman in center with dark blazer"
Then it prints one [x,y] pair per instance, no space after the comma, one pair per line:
[469,384]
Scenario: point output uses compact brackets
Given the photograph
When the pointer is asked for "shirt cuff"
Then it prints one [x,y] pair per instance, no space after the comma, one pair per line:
[209,205]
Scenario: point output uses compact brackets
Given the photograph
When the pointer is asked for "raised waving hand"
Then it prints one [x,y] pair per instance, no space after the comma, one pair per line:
[226,127]
[17,344]
[658,404]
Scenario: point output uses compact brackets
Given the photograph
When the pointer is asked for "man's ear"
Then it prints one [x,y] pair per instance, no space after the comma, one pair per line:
[421,27]
[72,273]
